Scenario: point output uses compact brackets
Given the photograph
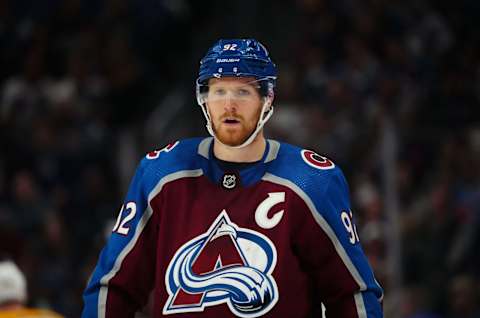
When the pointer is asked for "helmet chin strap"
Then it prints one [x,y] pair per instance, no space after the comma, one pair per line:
[265,114]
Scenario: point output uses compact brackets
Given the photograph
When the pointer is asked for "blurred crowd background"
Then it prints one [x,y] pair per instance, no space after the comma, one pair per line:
[389,90]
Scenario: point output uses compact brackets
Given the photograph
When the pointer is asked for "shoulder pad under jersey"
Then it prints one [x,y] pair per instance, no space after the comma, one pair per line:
[181,155]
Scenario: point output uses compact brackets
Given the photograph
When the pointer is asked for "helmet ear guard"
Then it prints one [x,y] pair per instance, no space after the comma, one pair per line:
[269,93]
[267,88]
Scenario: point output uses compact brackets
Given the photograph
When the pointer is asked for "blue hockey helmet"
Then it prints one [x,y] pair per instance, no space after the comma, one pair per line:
[238,57]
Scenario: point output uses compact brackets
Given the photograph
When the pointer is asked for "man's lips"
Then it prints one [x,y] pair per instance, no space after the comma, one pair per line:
[230,120]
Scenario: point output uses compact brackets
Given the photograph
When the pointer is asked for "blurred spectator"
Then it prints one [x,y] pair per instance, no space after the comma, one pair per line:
[13,295]
[463,297]
[417,303]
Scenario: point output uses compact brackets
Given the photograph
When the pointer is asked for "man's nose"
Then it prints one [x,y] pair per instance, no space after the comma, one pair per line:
[230,102]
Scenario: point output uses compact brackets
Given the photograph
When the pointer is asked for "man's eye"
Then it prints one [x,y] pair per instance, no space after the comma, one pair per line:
[243,92]
[219,91]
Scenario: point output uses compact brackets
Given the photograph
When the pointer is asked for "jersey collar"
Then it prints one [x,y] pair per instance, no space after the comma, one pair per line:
[248,176]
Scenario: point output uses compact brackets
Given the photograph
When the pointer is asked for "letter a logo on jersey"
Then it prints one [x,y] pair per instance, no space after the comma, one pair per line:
[226,264]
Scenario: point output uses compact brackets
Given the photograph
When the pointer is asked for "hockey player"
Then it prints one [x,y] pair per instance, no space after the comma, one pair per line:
[235,225]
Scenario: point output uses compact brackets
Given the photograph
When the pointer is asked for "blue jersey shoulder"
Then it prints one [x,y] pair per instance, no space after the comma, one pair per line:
[318,177]
[305,168]
[177,156]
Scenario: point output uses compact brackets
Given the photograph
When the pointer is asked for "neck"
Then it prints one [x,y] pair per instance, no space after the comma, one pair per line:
[251,153]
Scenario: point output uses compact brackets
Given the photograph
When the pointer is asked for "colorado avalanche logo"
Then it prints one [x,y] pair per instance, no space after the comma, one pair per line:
[315,160]
[227,264]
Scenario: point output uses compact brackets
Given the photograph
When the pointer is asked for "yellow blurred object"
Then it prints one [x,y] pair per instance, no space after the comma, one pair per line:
[29,313]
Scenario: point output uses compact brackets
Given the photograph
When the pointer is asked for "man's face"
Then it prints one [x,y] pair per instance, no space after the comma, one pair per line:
[234,104]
